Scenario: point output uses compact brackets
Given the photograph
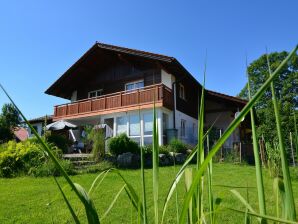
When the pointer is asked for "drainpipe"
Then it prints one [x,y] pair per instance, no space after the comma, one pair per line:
[174,100]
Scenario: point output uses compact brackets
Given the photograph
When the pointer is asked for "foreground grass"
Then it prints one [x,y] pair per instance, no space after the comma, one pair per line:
[37,200]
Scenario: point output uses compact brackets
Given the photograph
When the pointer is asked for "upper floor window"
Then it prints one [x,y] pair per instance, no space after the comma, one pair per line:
[134,85]
[181,91]
[95,93]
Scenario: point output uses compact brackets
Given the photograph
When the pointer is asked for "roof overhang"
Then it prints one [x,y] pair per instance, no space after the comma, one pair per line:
[98,55]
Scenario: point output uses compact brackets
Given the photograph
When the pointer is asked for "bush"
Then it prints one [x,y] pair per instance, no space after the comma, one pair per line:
[97,138]
[18,158]
[177,146]
[121,144]
[163,149]
[59,141]
[27,158]
[49,169]
[147,149]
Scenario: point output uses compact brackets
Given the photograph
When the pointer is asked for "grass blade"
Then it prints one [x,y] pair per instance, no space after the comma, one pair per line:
[267,217]
[143,180]
[112,203]
[210,190]
[130,192]
[73,214]
[155,159]
[259,175]
[181,172]
[94,184]
[290,202]
[242,199]
[228,132]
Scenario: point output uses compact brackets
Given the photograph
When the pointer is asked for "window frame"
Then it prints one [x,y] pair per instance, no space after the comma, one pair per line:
[182,91]
[96,93]
[134,83]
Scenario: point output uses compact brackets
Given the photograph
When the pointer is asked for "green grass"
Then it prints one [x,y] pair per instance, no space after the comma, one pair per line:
[25,199]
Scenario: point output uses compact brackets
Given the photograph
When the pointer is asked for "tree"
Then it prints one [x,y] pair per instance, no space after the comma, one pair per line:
[286,89]
[9,119]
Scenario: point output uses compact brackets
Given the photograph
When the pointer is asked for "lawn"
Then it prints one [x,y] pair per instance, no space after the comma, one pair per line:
[37,200]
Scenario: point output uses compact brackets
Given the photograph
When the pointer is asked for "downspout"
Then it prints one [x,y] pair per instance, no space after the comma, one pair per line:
[174,100]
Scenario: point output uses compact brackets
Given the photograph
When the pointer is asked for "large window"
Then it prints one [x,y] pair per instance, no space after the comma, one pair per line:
[148,124]
[134,85]
[134,125]
[95,93]
[121,125]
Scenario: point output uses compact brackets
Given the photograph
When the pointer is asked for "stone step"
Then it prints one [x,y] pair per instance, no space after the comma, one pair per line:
[77,156]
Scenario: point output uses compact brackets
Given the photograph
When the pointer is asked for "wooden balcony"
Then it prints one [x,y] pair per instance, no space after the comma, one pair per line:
[117,102]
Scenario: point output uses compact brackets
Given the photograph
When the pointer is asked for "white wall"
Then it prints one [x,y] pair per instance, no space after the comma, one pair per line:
[39,127]
[167,79]
[191,128]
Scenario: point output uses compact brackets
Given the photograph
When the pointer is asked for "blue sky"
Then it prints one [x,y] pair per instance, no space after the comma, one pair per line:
[39,40]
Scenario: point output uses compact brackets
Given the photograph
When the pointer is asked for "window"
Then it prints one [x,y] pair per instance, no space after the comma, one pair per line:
[95,93]
[181,91]
[183,124]
[148,124]
[121,125]
[134,125]
[134,85]
[35,127]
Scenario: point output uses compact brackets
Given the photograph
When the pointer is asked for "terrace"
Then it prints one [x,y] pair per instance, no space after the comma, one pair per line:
[117,102]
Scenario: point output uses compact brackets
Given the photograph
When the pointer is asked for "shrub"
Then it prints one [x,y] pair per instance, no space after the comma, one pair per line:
[18,158]
[147,149]
[121,144]
[27,158]
[177,146]
[50,169]
[60,141]
[97,139]
[163,149]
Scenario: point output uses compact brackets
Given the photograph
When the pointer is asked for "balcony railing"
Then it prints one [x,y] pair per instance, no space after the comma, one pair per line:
[120,101]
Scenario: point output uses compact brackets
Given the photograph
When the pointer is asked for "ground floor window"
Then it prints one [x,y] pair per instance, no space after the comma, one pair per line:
[183,125]
[121,125]
[134,125]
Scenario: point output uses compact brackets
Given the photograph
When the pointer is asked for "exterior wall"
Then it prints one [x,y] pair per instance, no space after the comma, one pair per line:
[191,128]
[113,78]
[167,79]
[142,138]
[189,105]
[223,119]
[39,129]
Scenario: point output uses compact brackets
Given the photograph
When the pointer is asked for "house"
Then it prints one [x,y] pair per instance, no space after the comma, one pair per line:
[119,86]
[39,123]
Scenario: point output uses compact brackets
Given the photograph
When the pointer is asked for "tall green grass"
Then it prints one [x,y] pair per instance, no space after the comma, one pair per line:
[289,197]
[259,175]
[192,206]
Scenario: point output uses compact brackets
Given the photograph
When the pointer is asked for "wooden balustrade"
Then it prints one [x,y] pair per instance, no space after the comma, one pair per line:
[124,99]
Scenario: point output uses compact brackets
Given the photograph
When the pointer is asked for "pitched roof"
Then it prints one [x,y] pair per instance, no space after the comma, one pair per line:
[41,119]
[171,63]
[227,97]
[131,51]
